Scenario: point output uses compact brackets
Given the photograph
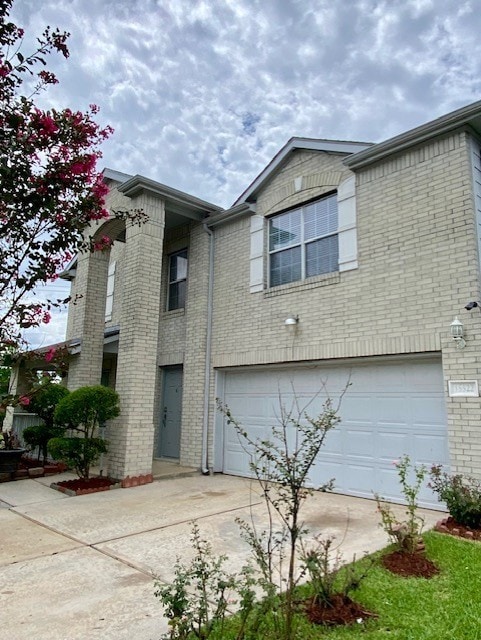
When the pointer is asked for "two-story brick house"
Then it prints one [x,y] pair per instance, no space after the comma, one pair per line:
[341,263]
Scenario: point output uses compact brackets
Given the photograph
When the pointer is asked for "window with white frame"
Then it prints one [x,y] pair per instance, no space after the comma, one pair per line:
[303,242]
[177,280]
[109,301]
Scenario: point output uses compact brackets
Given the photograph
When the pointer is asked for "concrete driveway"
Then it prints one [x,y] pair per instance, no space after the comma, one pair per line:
[82,567]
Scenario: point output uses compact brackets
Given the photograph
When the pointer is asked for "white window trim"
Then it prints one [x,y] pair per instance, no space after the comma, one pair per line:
[347,235]
[171,282]
[346,211]
[109,299]
[257,254]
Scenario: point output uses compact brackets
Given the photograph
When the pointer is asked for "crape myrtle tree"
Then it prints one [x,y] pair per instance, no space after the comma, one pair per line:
[50,189]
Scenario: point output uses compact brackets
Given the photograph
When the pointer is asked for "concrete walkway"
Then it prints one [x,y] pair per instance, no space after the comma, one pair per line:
[83,567]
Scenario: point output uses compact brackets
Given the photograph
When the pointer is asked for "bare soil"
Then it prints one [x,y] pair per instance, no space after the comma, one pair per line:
[408,564]
[340,611]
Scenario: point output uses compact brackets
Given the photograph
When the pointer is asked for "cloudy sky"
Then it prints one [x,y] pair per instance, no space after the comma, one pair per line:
[203,93]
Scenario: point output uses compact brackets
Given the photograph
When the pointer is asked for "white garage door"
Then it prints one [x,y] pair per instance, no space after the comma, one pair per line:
[390,408]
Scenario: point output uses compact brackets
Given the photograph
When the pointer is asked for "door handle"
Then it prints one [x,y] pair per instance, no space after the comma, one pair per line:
[164,417]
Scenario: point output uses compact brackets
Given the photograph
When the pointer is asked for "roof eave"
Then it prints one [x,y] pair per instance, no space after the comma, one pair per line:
[237,211]
[137,184]
[469,116]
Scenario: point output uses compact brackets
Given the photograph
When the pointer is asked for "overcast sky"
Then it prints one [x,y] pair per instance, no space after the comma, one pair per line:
[202,94]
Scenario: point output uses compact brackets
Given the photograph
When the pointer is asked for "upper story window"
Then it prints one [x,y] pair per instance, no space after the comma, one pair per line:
[109,301]
[303,242]
[177,280]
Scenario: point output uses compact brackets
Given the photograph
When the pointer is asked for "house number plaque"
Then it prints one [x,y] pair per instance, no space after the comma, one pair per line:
[463,388]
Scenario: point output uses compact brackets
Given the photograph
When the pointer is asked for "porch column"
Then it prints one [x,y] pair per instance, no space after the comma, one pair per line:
[92,271]
[131,435]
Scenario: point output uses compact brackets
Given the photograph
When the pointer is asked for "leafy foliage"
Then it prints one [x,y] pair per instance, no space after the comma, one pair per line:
[197,600]
[462,495]
[405,533]
[83,411]
[43,402]
[327,576]
[78,453]
[50,190]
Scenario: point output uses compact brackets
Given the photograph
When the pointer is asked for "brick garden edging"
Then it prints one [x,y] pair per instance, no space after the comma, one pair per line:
[137,481]
[83,492]
[126,483]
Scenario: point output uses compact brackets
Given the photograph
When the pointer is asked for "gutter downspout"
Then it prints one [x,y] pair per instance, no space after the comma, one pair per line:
[208,352]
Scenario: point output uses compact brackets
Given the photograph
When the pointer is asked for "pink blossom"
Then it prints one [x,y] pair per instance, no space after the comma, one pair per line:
[50,354]
[104,243]
[46,317]
[24,401]
[46,124]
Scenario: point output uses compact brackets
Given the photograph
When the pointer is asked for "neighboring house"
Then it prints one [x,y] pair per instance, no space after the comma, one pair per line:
[370,251]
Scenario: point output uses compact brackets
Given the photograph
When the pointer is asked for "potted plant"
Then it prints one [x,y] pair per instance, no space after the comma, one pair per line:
[10,452]
[10,449]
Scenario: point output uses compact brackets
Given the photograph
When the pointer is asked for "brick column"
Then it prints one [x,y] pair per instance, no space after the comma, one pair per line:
[131,436]
[92,270]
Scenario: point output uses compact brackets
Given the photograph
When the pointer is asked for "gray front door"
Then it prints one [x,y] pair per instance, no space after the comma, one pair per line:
[170,415]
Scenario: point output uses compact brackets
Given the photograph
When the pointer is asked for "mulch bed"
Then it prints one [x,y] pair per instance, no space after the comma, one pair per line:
[342,611]
[82,486]
[406,564]
[449,525]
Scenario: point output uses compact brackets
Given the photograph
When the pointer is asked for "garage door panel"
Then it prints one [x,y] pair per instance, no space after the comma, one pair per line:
[390,409]
[357,480]
[333,442]
[360,442]
[388,483]
[428,448]
[424,408]
[391,445]
[357,406]
[327,470]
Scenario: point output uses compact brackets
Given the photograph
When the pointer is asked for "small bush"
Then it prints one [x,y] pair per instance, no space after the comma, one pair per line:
[404,533]
[196,602]
[462,495]
[43,403]
[328,577]
[88,407]
[39,436]
[78,453]
[84,411]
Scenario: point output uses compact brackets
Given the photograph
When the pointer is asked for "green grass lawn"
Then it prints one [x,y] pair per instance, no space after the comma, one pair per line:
[446,607]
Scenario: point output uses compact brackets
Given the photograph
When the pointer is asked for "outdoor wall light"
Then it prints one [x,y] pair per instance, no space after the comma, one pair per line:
[457,333]
[291,322]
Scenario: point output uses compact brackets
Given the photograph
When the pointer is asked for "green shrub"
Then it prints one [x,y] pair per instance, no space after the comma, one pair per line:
[78,453]
[39,436]
[404,533]
[462,495]
[43,402]
[88,407]
[84,411]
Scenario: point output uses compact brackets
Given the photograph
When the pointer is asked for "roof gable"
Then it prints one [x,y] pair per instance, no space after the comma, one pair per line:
[280,159]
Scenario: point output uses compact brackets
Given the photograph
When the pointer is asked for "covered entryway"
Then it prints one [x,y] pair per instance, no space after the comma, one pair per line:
[391,407]
[171,413]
